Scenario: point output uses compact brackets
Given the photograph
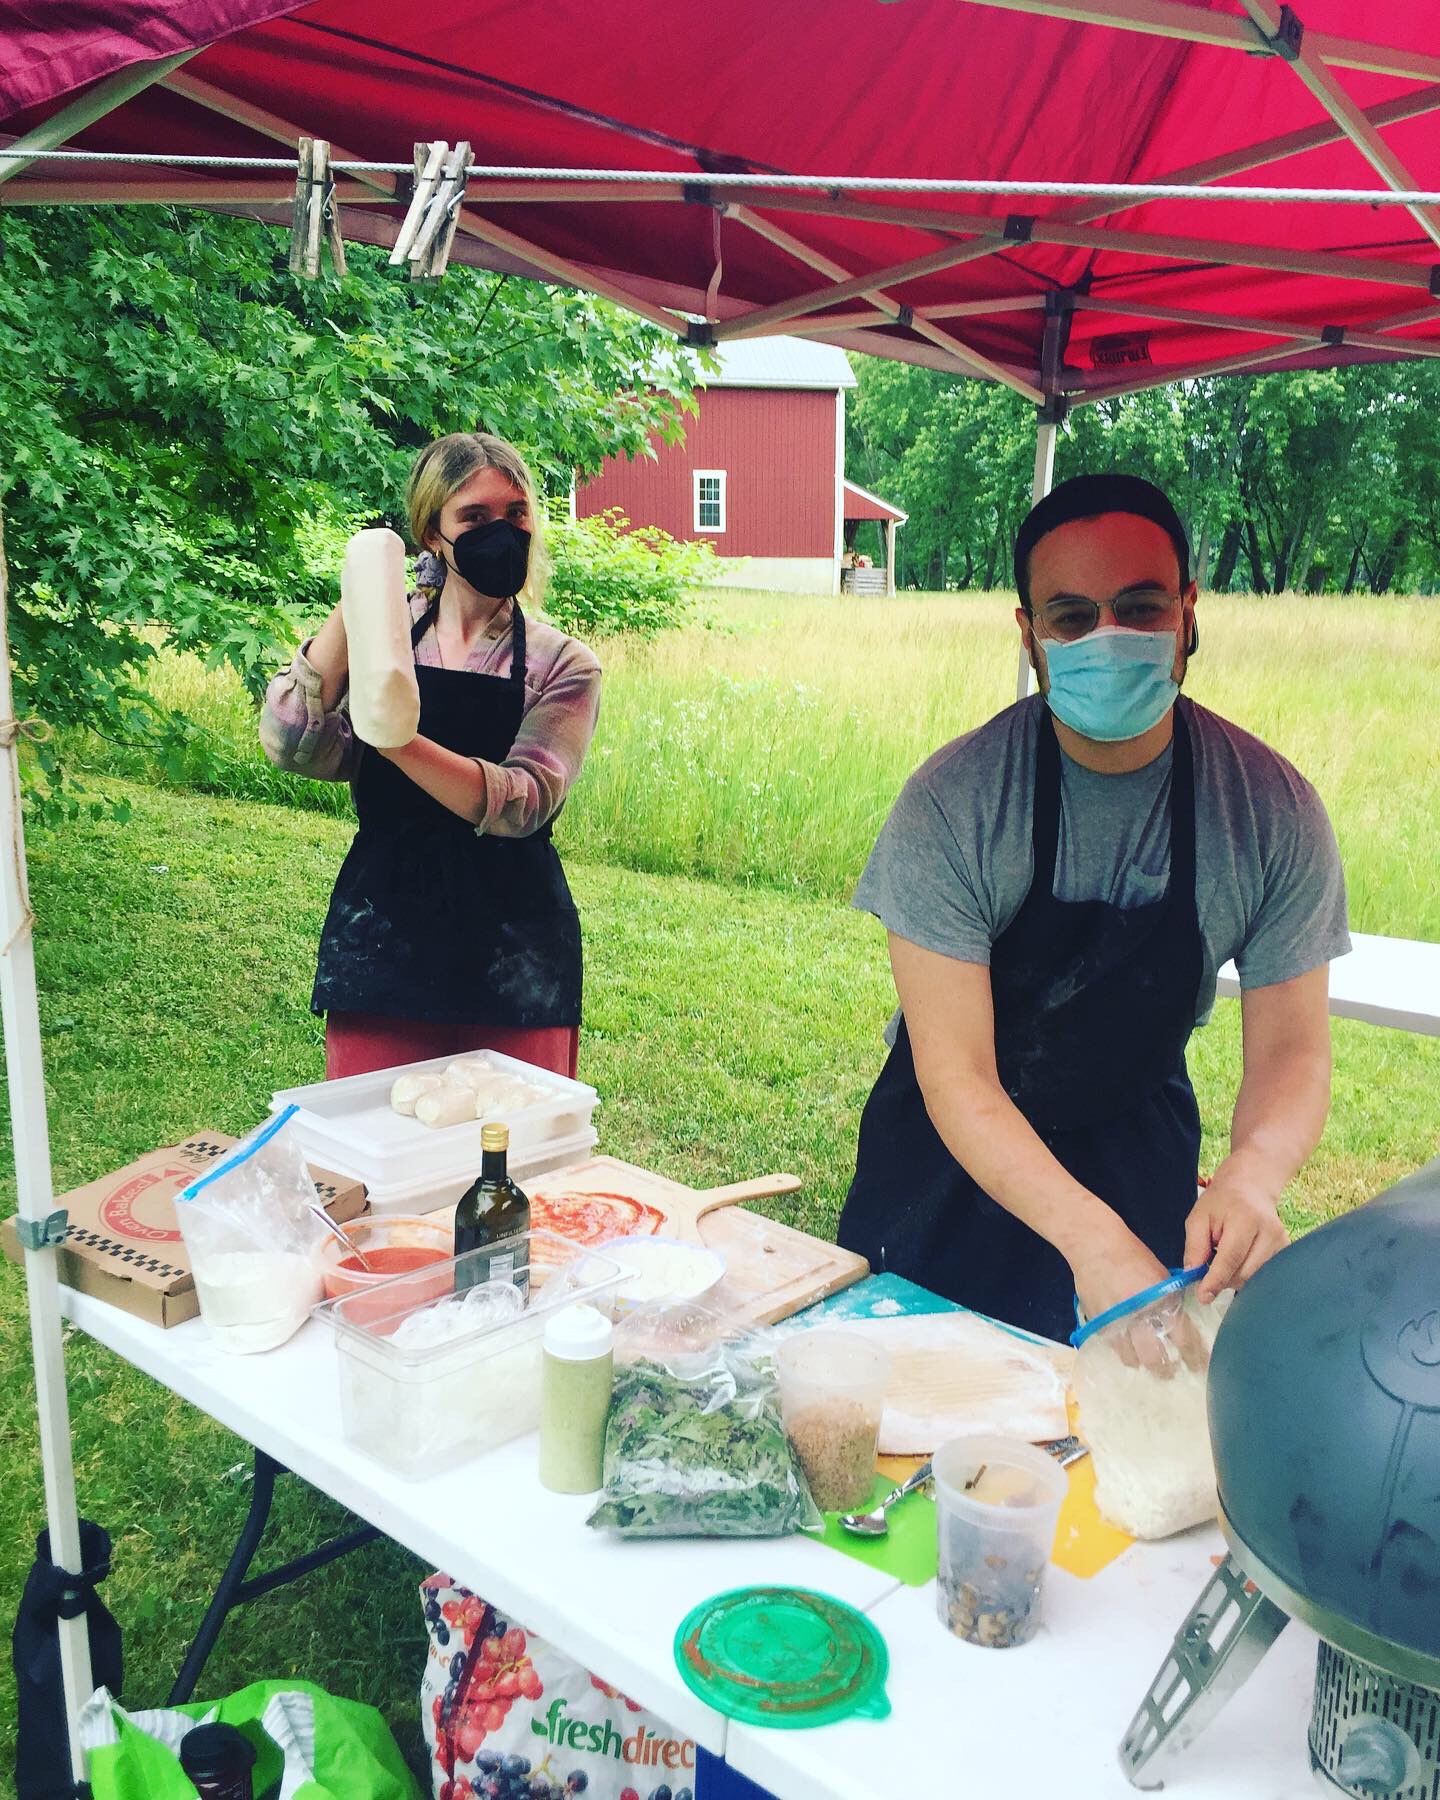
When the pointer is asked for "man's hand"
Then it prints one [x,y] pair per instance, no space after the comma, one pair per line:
[1234,1222]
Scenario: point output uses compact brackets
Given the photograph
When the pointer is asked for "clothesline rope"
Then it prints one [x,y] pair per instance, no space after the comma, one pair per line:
[834,185]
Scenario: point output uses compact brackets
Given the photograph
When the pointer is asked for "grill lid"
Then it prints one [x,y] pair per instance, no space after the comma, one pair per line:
[1324,1400]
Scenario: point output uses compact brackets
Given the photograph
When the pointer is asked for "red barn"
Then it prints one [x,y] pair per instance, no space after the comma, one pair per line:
[761,473]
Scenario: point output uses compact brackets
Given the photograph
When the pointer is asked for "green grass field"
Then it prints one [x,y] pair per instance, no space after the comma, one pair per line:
[732,1025]
[766,746]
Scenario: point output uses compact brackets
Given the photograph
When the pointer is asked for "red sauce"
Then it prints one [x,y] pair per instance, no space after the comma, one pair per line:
[396,1259]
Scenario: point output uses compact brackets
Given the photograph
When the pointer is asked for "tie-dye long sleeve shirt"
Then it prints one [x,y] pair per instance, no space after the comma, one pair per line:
[526,790]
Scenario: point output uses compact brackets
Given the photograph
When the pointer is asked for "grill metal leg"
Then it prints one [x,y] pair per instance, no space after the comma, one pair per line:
[1215,1650]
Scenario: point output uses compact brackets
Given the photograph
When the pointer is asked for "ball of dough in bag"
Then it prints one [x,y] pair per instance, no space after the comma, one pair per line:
[407,1089]
[384,694]
[448,1104]
[469,1071]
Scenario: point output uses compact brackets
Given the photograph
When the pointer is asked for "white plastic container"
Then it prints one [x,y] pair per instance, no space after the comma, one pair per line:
[996,1504]
[429,1194]
[424,1409]
[406,1166]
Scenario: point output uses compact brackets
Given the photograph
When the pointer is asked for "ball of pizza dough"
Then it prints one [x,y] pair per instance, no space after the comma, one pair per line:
[469,1071]
[448,1104]
[407,1089]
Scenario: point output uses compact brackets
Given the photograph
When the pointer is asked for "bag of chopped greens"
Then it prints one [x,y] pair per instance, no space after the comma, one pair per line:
[694,1446]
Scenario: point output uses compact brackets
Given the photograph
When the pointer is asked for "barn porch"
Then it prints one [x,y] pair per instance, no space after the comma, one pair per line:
[861,505]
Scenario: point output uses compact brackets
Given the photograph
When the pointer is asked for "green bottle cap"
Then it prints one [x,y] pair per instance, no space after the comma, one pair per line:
[783,1656]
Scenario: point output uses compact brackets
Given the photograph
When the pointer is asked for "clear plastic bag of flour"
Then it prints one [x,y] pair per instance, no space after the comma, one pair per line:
[257,1249]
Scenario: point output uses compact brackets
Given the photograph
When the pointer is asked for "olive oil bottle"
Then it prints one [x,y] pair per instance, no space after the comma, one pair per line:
[493,1211]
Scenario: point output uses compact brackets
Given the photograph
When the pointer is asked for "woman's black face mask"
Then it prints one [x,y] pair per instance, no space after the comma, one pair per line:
[493,558]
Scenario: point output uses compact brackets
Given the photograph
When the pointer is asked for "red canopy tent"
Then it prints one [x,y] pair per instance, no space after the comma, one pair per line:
[730,172]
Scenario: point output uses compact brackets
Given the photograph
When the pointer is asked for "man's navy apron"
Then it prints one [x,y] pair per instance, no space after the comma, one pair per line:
[1094,1004]
[431,920]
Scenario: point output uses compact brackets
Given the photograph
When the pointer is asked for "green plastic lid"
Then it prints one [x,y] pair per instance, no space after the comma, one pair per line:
[783,1656]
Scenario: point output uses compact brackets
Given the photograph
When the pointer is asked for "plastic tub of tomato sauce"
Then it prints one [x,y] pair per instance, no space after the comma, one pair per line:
[396,1245]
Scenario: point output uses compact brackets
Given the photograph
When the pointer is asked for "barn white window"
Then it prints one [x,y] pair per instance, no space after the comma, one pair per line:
[709,499]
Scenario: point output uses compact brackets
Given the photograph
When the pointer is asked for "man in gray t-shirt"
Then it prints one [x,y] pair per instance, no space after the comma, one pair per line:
[1060,888]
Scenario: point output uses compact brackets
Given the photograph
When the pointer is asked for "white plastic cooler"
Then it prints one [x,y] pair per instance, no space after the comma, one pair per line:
[350,1126]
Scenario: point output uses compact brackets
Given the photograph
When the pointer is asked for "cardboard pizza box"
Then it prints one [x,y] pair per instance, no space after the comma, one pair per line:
[123,1244]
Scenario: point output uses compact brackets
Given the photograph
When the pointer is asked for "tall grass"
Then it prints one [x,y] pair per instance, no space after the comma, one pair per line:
[766,745]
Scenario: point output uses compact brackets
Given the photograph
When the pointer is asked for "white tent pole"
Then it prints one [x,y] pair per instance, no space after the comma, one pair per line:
[1045,432]
[103,98]
[25,1072]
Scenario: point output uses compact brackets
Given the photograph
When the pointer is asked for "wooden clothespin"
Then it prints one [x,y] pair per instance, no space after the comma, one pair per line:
[317,213]
[429,226]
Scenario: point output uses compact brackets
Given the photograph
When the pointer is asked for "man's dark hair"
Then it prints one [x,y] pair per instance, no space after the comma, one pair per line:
[1087,497]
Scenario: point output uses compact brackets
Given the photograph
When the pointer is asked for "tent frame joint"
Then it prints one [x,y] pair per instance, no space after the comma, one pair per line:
[1054,410]
[1019,228]
[697,193]
[1288,36]
[43,1234]
[700,335]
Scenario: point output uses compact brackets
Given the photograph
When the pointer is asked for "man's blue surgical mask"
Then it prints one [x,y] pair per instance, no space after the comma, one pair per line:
[1112,684]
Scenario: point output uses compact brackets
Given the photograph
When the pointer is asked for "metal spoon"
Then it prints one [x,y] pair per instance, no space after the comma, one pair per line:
[351,1248]
[875,1524]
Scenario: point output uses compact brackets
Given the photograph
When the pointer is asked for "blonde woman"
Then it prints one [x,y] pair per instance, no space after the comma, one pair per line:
[451,926]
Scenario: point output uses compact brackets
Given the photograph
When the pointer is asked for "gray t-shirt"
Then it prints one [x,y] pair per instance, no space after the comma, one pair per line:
[953,863]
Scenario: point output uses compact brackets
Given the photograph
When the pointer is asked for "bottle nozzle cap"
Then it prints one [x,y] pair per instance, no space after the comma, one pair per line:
[579,1332]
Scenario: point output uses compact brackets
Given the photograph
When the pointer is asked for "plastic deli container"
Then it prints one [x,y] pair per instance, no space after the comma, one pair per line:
[996,1503]
[1140,1378]
[422,1389]
[407,1166]
[832,1396]
[397,1244]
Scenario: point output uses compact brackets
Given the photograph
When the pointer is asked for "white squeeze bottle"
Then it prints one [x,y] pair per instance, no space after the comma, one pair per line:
[579,1365]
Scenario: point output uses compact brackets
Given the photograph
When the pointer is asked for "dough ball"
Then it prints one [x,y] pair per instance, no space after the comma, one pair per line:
[448,1104]
[407,1089]
[471,1072]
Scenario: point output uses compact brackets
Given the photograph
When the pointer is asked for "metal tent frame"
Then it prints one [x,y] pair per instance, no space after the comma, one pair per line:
[879,323]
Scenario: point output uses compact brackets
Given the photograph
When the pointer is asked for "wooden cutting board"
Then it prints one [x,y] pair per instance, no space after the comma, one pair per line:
[772,1270]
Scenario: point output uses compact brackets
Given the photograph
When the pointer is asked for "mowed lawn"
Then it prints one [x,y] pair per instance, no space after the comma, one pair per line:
[732,1023]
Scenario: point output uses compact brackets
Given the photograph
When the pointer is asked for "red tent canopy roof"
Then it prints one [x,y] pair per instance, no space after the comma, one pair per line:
[1052,294]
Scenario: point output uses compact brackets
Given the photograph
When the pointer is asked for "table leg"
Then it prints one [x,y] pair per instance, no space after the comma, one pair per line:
[234,1589]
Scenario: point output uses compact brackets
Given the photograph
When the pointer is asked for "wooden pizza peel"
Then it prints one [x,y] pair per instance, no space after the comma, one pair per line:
[772,1270]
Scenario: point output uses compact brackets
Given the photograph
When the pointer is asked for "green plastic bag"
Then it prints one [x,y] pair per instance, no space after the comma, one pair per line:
[314,1746]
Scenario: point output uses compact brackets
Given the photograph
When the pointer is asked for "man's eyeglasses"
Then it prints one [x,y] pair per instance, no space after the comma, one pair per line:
[1072,616]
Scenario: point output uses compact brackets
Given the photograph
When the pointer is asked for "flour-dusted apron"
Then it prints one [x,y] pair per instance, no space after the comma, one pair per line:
[1094,1004]
[431,920]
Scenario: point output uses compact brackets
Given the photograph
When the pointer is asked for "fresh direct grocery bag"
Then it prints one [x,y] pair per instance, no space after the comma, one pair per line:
[507,1715]
[316,1746]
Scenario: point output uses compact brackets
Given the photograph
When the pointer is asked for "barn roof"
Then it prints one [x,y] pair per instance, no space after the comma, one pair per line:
[781,362]
[860,503]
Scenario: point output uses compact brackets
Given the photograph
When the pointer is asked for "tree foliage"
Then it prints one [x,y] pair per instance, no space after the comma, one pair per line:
[190,430]
[1322,480]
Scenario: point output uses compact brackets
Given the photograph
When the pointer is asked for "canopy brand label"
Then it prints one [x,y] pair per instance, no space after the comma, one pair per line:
[1120,350]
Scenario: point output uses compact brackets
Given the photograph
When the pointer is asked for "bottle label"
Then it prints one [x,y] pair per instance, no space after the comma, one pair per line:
[502,1268]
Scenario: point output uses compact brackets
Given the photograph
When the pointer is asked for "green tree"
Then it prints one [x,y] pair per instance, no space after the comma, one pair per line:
[189,429]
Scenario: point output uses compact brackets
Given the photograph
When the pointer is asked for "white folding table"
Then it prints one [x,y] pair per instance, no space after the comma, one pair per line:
[1042,1719]
[1384,981]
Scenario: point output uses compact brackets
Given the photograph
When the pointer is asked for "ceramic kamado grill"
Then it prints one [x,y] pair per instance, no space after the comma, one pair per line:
[1324,1399]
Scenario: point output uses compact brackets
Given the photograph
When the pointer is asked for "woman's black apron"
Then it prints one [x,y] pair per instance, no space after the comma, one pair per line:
[1094,1004]
[431,920]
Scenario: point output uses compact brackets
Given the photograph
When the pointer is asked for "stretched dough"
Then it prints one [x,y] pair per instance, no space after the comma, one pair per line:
[447,1104]
[384,695]
[407,1089]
